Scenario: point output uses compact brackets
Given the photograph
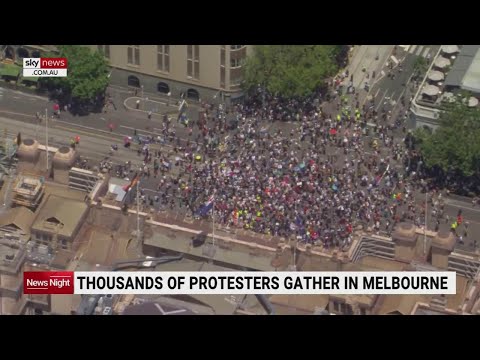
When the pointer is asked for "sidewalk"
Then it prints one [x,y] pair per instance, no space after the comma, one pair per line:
[146,105]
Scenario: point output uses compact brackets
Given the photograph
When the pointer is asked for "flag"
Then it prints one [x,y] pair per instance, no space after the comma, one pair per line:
[207,206]
[132,184]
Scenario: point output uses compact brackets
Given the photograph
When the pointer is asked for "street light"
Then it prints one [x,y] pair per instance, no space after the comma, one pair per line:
[46,136]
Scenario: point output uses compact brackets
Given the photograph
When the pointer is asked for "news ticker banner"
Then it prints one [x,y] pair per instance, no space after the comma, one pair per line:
[45,67]
[236,282]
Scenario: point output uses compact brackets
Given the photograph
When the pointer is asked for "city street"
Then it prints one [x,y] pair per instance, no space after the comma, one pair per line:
[17,111]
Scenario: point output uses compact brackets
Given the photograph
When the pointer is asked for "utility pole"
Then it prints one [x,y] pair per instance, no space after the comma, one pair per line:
[46,136]
[425,231]
[213,224]
[139,238]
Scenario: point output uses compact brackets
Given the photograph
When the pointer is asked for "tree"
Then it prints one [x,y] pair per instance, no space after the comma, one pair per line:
[455,145]
[292,70]
[87,77]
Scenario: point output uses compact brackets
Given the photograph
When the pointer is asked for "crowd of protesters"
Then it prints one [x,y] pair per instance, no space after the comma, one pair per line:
[337,165]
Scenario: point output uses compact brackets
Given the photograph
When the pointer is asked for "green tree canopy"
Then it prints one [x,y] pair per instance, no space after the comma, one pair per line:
[291,70]
[87,73]
[455,145]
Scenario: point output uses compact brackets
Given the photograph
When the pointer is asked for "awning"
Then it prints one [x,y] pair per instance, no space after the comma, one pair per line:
[450,49]
[9,70]
[435,75]
[430,90]
[442,62]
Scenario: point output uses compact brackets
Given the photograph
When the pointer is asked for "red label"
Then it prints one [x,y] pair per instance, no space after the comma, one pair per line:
[48,282]
[53,63]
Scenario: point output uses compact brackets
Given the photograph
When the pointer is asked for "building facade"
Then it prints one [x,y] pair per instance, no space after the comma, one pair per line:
[195,71]
[454,70]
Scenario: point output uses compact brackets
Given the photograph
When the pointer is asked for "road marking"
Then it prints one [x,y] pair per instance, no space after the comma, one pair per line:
[381,100]
[33,99]
[412,49]
[394,59]
[418,52]
[376,94]
[103,119]
[16,97]
[425,52]
[465,207]
[85,132]
[405,47]
[15,113]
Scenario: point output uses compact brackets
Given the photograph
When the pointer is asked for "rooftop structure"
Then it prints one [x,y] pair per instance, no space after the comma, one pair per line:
[59,219]
[28,191]
[455,69]
[16,223]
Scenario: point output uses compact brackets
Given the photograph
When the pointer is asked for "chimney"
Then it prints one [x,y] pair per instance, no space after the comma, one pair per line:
[442,246]
[405,240]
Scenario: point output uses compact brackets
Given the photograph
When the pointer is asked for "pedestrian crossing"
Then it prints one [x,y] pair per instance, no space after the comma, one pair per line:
[417,50]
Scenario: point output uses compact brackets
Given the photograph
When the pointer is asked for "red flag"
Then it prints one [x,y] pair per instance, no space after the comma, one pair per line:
[134,182]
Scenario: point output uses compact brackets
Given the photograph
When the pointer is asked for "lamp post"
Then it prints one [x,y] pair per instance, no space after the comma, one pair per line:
[46,136]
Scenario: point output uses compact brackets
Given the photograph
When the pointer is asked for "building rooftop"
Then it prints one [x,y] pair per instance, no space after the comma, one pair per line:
[165,306]
[11,257]
[59,214]
[298,304]
[465,72]
[27,186]
[19,217]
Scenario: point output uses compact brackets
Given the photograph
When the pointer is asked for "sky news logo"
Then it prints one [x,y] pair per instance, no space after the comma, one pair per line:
[45,67]
[48,282]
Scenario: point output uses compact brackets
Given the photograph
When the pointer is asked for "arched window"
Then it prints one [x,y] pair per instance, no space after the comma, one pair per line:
[163,88]
[193,94]
[22,53]
[133,81]
[9,53]
[36,54]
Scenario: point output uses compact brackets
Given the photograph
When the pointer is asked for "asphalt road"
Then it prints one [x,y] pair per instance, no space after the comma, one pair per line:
[17,111]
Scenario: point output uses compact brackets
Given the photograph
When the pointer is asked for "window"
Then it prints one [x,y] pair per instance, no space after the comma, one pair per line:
[223,60]
[235,63]
[336,307]
[105,50]
[163,58]
[346,309]
[222,77]
[236,47]
[193,61]
[133,55]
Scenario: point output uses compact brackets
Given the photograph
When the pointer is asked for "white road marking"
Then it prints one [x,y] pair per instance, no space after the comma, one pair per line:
[418,52]
[16,97]
[381,100]
[405,47]
[412,49]
[450,203]
[394,59]
[425,52]
[376,94]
